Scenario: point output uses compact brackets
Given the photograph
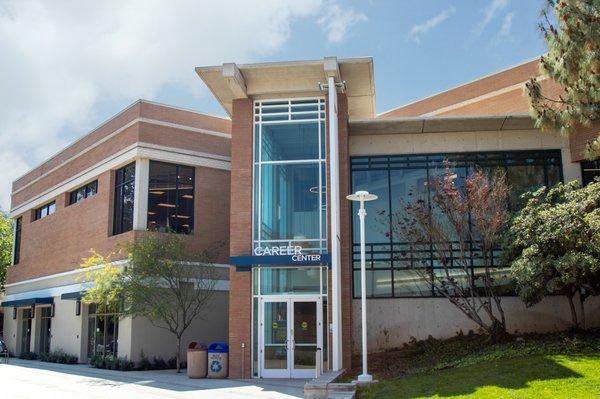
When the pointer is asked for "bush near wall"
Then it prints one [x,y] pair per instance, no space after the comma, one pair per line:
[112,362]
[28,356]
[58,356]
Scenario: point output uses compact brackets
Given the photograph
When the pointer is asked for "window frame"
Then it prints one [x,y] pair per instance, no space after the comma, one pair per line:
[17,240]
[192,220]
[290,115]
[118,227]
[505,159]
[86,194]
[39,212]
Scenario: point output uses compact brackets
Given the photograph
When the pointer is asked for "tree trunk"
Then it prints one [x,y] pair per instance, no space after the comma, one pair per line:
[573,312]
[581,307]
[178,355]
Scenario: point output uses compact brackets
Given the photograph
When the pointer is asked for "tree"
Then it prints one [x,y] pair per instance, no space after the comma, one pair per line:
[6,243]
[554,245]
[164,280]
[573,62]
[459,224]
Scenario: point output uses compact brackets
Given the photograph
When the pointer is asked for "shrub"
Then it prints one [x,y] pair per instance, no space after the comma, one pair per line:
[144,363]
[111,362]
[28,356]
[58,356]
[159,364]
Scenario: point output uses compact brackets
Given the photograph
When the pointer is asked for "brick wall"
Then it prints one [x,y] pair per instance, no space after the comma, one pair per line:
[240,295]
[58,242]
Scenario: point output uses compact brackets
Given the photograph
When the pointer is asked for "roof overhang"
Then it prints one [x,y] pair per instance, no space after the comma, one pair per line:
[436,124]
[231,81]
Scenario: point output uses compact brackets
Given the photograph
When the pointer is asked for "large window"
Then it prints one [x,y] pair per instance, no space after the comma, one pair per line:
[590,170]
[399,180]
[171,198]
[124,198]
[45,210]
[17,250]
[103,332]
[83,192]
[289,173]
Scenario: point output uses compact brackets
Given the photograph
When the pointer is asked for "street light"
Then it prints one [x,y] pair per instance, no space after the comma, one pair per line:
[362,197]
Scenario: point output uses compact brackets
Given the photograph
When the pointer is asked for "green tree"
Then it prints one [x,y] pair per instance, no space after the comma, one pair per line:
[6,242]
[164,280]
[554,245]
[571,29]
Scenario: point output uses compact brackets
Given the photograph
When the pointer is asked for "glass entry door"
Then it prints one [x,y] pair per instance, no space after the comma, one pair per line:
[291,333]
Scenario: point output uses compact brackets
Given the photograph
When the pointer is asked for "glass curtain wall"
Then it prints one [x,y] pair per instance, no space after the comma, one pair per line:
[400,180]
[171,198]
[289,174]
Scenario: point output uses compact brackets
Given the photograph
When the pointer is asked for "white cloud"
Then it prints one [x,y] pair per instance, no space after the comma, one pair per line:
[417,30]
[490,13]
[61,59]
[337,21]
[506,25]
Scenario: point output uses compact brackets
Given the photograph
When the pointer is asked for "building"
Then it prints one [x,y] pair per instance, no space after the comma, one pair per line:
[305,135]
[301,137]
[149,167]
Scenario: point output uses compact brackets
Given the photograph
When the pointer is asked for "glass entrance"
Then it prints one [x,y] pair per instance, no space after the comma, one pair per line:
[291,334]
[26,330]
[45,329]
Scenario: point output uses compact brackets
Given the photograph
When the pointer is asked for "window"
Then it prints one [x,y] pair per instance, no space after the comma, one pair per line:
[45,210]
[124,197]
[103,332]
[398,180]
[589,171]
[289,174]
[171,198]
[17,250]
[83,192]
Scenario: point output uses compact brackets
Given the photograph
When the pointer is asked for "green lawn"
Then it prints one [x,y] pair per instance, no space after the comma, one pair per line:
[530,376]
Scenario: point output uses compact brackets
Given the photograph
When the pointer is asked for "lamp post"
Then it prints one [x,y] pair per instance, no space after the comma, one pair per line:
[362,197]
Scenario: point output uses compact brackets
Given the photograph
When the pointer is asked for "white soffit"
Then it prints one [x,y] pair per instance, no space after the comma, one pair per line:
[231,81]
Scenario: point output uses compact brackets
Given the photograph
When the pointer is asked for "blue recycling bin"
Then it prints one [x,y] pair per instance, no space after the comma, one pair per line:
[218,360]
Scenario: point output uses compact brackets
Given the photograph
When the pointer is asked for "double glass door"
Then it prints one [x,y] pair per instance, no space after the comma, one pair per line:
[291,334]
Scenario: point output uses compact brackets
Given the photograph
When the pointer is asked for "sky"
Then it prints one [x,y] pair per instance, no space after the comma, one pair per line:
[67,66]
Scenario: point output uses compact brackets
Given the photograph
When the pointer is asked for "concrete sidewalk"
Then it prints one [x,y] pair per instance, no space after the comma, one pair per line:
[35,379]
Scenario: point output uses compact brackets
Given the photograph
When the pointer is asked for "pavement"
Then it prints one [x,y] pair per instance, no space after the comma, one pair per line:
[24,379]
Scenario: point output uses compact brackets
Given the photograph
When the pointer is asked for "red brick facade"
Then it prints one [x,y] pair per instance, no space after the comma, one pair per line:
[58,242]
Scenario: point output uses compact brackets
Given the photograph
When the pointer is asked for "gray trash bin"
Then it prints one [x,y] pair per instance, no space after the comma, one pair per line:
[218,360]
[196,360]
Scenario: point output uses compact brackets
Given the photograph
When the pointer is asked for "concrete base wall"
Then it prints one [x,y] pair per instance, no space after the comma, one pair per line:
[394,322]
[212,326]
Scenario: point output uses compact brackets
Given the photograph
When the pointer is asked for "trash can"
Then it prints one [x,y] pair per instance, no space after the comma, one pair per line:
[218,360]
[196,360]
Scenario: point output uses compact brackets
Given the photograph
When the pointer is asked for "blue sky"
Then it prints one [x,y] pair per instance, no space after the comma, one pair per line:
[68,66]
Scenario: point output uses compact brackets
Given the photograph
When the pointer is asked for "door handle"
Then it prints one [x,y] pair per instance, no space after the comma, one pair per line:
[286,345]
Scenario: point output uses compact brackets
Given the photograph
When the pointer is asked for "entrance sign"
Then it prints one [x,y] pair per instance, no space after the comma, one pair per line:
[280,250]
[284,255]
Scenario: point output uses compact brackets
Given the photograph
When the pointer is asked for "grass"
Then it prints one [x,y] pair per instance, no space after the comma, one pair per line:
[534,366]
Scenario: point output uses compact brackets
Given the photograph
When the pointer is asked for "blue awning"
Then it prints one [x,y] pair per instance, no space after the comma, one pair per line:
[247,262]
[27,302]
[73,296]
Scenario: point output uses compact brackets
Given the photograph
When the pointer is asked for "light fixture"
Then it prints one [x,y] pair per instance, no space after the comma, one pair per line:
[180,216]
[157,192]
[151,213]
[361,197]
[187,196]
[164,205]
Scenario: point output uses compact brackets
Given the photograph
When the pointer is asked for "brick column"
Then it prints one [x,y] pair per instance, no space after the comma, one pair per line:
[240,295]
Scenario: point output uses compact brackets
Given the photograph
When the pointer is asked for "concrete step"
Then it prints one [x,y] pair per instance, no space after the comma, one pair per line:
[341,395]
